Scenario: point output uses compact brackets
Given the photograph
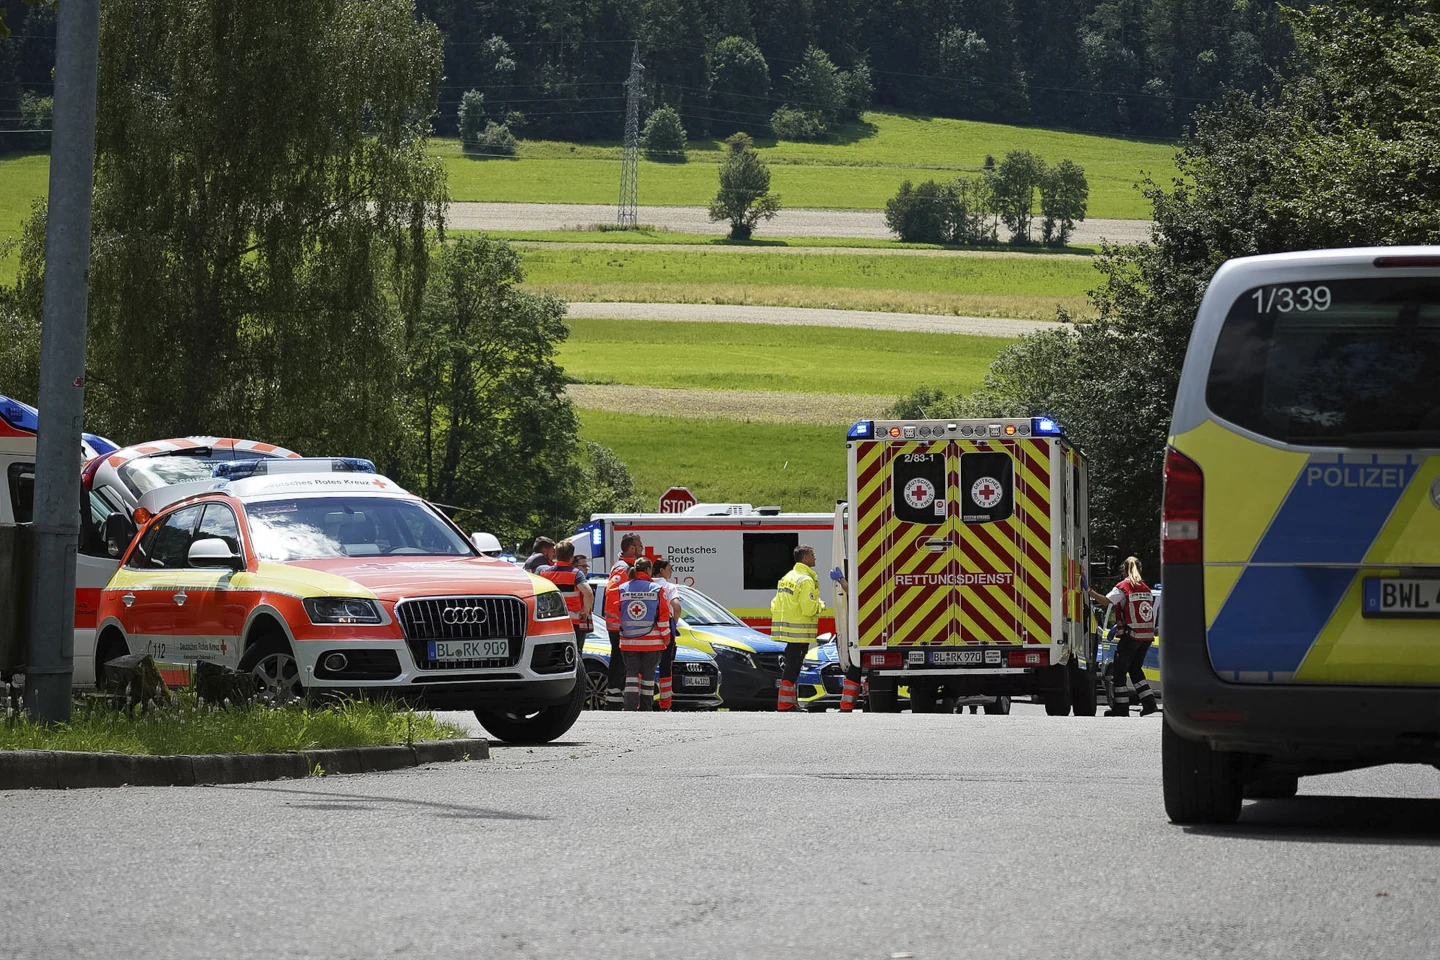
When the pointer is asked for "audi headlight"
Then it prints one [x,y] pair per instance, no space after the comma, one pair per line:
[550,605]
[731,655]
[335,610]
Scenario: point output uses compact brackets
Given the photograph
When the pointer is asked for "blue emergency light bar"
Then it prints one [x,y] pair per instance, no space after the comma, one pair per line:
[1044,427]
[244,469]
[861,430]
[19,415]
[99,444]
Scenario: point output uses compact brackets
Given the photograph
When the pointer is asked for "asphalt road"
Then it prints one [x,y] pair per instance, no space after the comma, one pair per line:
[790,222]
[747,836]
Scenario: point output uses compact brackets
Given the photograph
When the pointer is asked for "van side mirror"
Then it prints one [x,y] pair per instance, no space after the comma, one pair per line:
[119,531]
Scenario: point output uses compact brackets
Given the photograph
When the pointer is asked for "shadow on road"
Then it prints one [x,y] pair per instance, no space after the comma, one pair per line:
[1390,820]
[322,800]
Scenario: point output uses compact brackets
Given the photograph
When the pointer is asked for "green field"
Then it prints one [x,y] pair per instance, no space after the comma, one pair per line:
[22,178]
[645,237]
[742,356]
[861,170]
[1024,287]
[723,461]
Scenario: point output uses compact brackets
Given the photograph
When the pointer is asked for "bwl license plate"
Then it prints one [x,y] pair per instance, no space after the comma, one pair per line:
[1396,597]
[957,658]
[694,681]
[443,650]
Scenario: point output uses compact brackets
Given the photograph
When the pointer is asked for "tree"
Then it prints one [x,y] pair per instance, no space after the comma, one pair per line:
[1064,193]
[923,214]
[263,198]
[858,90]
[471,118]
[739,84]
[744,198]
[816,85]
[1012,187]
[664,136]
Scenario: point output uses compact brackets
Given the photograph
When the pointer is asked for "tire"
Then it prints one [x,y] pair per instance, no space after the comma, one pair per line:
[1000,707]
[271,662]
[1281,786]
[1201,785]
[1083,699]
[597,679]
[536,726]
[883,699]
[112,644]
[924,700]
[1057,697]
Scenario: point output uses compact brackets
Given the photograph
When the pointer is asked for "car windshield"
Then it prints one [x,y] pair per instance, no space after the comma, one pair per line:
[152,473]
[700,611]
[319,528]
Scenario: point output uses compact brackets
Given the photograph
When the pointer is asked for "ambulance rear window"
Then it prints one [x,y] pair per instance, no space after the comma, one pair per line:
[1332,363]
[22,492]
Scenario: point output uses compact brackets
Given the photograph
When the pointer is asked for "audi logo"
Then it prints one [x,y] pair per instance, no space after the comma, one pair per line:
[453,616]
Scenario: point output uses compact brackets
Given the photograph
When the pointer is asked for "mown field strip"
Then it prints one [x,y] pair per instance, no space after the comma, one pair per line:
[717,357]
[751,406]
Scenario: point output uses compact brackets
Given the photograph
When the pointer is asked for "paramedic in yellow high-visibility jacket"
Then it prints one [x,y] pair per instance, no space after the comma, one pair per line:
[794,618]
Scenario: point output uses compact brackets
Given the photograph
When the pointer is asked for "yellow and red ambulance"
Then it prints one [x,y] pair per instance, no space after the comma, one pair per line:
[964,542]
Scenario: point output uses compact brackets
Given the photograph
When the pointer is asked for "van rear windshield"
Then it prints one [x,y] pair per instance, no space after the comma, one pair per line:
[1333,363]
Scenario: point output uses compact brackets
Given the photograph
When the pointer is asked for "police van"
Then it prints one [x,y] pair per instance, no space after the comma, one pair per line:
[1301,528]
[964,542]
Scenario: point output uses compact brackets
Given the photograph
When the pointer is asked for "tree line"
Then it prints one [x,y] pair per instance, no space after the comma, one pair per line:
[799,67]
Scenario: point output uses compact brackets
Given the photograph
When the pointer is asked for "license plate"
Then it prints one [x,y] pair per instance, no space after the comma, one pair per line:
[1399,597]
[443,650]
[953,658]
[694,681]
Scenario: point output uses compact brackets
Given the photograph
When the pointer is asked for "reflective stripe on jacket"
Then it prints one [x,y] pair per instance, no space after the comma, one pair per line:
[1137,610]
[619,574]
[643,626]
[795,611]
[567,578]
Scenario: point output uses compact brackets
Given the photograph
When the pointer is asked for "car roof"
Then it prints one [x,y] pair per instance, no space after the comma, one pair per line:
[274,487]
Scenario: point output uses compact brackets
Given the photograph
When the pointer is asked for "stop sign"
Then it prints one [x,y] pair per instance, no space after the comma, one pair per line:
[677,500]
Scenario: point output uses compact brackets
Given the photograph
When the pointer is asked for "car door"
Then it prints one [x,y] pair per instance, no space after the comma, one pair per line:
[154,599]
[209,623]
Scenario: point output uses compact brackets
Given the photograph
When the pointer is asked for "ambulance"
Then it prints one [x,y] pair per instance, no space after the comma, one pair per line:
[734,553]
[963,543]
[1300,545]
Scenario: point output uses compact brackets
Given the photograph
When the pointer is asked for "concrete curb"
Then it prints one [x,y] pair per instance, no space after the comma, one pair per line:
[64,770]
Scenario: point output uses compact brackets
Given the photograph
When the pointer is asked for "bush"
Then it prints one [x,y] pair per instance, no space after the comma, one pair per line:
[923,214]
[471,118]
[36,114]
[496,141]
[515,120]
[789,123]
[858,90]
[664,137]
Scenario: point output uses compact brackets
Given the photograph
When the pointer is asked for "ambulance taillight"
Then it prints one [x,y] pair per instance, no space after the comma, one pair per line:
[1180,540]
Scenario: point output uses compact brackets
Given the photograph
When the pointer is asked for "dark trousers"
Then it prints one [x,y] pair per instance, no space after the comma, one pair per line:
[640,678]
[615,679]
[1129,666]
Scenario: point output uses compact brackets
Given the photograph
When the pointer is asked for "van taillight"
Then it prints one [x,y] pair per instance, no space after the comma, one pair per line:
[1180,540]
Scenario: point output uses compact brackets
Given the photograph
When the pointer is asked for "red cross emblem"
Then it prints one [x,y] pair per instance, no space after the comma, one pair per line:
[986,492]
[378,483]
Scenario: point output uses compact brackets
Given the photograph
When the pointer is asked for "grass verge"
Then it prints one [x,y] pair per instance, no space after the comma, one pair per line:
[185,727]
[23,177]
[743,356]
[799,467]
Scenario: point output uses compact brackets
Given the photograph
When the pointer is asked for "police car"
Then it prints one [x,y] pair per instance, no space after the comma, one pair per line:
[1301,528]
[695,678]
[322,575]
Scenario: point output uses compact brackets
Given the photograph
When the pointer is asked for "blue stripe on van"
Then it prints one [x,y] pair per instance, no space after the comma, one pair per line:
[1335,510]
[1273,616]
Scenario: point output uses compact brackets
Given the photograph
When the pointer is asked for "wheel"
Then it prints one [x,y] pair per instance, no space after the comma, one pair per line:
[111,645]
[536,726]
[1274,786]
[1083,700]
[1201,785]
[597,678]
[270,661]
[924,700]
[883,698]
[999,707]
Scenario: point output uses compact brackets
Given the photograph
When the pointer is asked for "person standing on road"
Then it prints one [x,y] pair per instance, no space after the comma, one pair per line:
[543,556]
[579,598]
[1134,604]
[630,548]
[644,634]
[794,619]
[670,607]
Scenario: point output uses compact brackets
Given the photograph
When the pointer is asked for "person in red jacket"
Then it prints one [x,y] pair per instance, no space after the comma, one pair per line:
[579,598]
[1134,604]
[630,548]
[644,634]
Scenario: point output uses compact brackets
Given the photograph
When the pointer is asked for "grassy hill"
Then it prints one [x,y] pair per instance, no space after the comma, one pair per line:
[22,179]
[861,169]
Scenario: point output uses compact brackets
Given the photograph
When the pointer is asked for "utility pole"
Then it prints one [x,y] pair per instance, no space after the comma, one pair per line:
[628,215]
[49,667]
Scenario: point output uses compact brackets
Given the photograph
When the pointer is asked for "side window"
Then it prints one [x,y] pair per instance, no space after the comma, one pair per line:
[767,558]
[917,481]
[987,487]
[219,521]
[172,543]
[140,557]
[22,492]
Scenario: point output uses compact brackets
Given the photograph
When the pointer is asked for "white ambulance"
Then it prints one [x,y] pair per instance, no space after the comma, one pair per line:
[732,552]
[963,542]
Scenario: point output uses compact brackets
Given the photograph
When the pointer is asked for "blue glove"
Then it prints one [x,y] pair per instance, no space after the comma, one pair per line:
[837,574]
